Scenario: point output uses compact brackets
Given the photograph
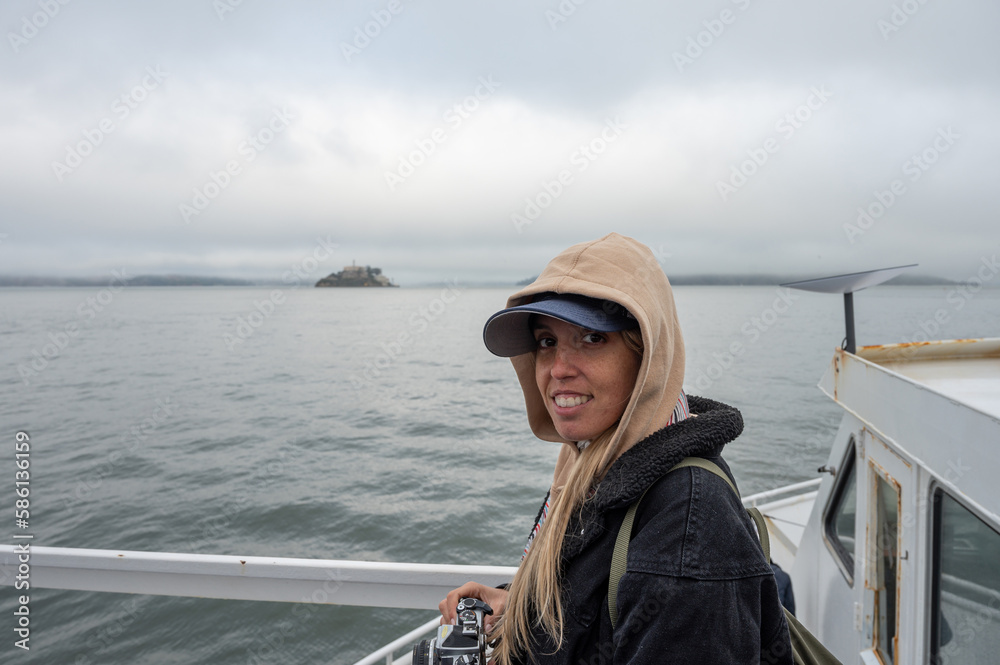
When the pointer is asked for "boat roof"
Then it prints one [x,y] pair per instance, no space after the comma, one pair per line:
[966,370]
[936,402]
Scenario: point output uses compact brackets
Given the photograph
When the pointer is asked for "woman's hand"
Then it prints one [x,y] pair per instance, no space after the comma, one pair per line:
[495,598]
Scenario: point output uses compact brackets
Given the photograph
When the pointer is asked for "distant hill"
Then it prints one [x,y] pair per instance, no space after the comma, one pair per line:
[195,280]
[774,280]
[138,280]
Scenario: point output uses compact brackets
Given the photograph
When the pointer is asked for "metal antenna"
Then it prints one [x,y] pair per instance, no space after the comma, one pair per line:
[848,284]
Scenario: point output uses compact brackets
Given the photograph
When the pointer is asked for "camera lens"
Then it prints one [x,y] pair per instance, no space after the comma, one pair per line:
[421,653]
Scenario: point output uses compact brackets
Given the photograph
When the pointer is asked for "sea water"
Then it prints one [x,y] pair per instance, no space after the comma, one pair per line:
[365,424]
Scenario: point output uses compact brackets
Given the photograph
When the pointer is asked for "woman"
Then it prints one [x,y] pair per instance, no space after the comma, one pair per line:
[597,348]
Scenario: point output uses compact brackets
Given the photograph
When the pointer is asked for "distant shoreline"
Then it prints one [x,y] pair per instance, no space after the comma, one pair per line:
[195,280]
[138,280]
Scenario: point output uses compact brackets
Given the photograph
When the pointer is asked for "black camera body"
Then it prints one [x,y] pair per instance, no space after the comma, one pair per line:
[461,644]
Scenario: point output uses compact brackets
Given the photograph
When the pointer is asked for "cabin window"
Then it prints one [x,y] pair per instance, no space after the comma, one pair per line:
[965,612]
[841,516]
[886,566]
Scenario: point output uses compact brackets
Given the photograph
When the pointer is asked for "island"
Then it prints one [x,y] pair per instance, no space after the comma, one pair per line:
[353,275]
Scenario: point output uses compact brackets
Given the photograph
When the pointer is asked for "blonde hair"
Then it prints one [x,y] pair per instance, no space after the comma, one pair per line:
[534,595]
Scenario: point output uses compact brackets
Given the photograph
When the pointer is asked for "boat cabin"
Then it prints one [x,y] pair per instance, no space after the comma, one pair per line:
[896,558]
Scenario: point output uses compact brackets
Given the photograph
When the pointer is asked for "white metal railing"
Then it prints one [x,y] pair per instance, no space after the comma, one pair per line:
[754,499]
[323,581]
[408,639]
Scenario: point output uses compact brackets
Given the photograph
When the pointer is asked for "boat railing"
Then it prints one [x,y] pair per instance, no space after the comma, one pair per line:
[321,581]
[409,639]
[770,495]
[789,493]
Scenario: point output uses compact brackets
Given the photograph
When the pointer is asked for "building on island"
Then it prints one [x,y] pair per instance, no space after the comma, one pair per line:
[353,275]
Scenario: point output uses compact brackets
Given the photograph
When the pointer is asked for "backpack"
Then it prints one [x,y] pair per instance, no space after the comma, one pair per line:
[806,648]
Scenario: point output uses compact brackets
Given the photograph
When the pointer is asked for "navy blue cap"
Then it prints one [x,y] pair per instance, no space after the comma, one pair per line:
[507,334]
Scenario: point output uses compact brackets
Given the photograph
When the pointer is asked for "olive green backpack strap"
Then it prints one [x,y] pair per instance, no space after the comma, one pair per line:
[755,515]
[620,555]
[765,539]
[806,648]
[619,559]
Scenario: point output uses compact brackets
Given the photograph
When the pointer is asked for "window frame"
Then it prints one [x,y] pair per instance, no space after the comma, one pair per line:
[845,560]
[938,492]
[884,645]
[933,610]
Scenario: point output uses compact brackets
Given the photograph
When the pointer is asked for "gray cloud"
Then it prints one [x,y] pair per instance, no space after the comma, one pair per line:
[700,89]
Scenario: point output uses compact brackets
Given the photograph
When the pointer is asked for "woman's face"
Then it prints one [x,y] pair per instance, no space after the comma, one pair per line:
[585,377]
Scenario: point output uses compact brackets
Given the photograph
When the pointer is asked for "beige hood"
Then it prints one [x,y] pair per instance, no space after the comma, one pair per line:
[625,271]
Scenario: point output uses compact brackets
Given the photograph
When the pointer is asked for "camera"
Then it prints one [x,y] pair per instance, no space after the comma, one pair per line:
[461,644]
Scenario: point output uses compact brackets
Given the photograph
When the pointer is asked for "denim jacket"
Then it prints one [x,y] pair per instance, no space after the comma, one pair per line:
[697,588]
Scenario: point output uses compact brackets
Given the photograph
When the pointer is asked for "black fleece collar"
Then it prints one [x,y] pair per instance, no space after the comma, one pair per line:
[644,463]
[647,461]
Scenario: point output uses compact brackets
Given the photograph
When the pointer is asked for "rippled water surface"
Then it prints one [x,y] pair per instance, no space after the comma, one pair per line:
[357,424]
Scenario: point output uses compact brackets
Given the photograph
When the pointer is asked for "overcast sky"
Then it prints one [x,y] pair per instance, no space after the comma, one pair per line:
[430,137]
